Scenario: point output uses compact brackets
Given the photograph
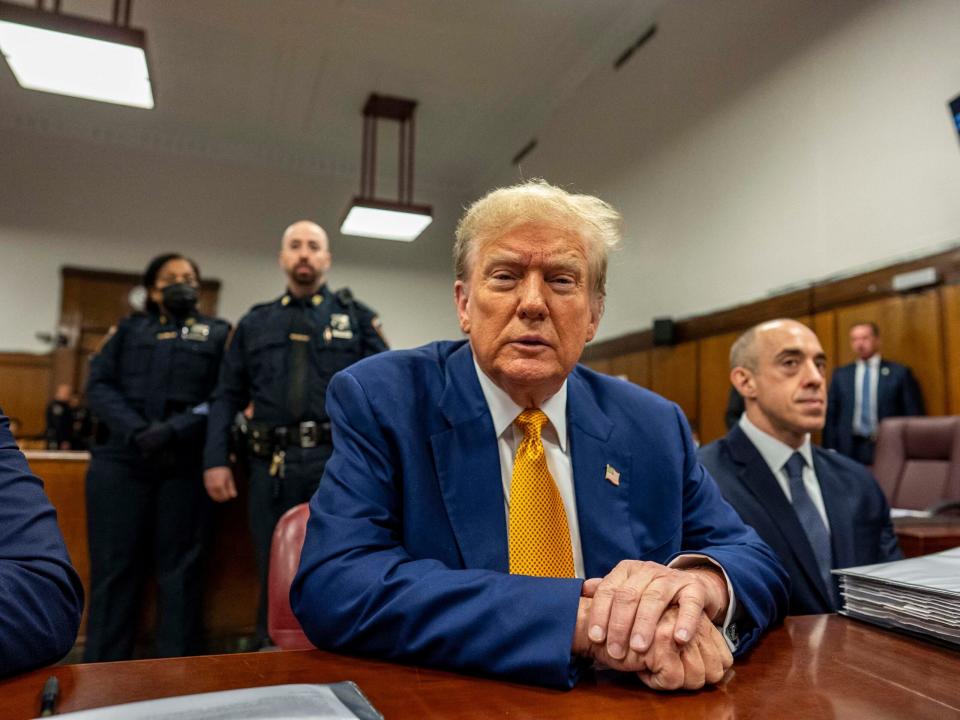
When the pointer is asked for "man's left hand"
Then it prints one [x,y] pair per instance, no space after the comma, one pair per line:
[628,604]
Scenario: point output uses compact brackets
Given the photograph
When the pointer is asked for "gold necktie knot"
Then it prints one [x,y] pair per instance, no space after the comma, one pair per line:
[531,422]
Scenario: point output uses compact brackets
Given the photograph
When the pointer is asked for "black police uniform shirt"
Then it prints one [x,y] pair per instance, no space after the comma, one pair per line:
[335,331]
[155,368]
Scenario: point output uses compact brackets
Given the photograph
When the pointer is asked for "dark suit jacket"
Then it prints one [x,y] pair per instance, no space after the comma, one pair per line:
[406,548]
[860,527]
[40,593]
[898,394]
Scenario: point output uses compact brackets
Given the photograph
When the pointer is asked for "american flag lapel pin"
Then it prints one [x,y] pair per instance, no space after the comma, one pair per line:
[612,475]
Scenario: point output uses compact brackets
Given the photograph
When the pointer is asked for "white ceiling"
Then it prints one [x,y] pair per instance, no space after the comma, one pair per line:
[281,83]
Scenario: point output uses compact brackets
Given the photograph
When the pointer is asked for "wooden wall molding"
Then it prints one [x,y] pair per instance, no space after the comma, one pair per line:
[818,297]
[72,271]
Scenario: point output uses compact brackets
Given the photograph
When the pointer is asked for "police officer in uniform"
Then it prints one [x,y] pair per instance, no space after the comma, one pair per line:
[281,358]
[150,385]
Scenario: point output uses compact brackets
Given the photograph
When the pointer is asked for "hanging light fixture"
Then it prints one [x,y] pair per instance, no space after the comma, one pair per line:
[69,55]
[368,216]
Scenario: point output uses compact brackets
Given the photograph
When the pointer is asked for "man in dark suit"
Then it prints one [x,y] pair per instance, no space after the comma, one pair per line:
[493,507]
[818,510]
[865,392]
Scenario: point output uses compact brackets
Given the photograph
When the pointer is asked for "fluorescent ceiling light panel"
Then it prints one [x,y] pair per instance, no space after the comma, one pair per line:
[373,222]
[76,65]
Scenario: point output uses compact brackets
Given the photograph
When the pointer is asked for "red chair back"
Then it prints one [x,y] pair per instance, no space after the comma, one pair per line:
[282,624]
[917,461]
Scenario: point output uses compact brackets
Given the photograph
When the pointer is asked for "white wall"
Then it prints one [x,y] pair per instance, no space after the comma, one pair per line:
[756,144]
[108,207]
[752,145]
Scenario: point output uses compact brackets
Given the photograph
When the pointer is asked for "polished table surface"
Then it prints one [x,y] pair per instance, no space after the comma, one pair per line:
[922,536]
[822,666]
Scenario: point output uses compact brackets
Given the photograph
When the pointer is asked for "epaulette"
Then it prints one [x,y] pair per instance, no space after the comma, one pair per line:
[264,304]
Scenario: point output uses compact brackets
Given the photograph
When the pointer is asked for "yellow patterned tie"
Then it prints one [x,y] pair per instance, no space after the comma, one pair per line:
[538,529]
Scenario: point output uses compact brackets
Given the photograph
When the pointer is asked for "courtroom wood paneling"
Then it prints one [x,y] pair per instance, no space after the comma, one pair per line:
[63,480]
[825,326]
[635,366]
[714,370]
[601,365]
[910,333]
[673,374]
[950,301]
[231,586]
[25,388]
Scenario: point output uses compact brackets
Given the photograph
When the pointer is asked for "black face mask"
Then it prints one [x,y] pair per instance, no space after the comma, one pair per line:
[180,299]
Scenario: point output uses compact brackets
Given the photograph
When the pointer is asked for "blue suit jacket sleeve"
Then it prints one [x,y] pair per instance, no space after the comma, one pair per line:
[104,396]
[359,590]
[713,528]
[40,594]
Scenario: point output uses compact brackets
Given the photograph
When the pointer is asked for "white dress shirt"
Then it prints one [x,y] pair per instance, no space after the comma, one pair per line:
[874,363]
[504,411]
[776,454]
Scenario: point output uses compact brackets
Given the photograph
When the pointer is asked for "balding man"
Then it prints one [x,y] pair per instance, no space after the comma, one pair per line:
[281,359]
[818,510]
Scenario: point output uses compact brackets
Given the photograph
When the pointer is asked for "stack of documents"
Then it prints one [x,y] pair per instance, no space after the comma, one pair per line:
[920,595]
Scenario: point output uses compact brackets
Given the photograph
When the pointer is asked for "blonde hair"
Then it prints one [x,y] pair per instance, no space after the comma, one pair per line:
[537,202]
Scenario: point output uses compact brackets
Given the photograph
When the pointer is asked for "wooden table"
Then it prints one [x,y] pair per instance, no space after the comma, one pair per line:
[922,536]
[822,666]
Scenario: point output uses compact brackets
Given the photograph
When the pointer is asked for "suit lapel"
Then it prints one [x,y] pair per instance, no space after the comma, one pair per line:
[756,476]
[834,494]
[603,508]
[468,468]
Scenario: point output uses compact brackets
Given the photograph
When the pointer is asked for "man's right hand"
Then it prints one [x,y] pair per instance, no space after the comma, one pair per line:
[219,483]
[665,665]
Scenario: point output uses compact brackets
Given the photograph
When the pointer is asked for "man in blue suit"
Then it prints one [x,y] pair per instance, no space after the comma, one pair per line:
[817,509]
[40,593]
[865,392]
[493,507]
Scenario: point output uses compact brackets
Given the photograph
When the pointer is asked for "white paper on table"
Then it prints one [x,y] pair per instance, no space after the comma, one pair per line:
[271,702]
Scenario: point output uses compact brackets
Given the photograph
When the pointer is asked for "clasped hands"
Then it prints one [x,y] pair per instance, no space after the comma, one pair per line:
[658,622]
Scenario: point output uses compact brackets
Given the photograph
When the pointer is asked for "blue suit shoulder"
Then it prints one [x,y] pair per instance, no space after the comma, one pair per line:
[617,391]
[394,365]
[837,462]
[260,309]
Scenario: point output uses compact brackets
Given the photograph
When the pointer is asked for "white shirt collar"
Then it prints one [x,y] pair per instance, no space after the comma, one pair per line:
[504,410]
[873,361]
[773,451]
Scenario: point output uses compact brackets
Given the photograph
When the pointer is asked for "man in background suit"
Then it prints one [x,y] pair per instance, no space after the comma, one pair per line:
[474,485]
[818,510]
[865,392]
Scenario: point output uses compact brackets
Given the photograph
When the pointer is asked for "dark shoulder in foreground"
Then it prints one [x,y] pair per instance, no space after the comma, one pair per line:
[841,462]
[260,309]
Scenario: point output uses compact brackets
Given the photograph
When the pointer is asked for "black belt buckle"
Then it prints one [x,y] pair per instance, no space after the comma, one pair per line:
[308,434]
